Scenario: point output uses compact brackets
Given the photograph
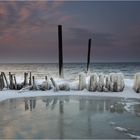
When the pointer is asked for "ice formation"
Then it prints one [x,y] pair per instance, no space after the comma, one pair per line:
[82,81]
[116,82]
[101,83]
[136,85]
[93,82]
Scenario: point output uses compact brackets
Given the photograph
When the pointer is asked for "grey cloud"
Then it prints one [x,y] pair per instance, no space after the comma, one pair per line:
[99,39]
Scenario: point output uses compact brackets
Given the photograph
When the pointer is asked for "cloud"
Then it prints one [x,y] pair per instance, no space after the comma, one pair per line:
[20,17]
[81,35]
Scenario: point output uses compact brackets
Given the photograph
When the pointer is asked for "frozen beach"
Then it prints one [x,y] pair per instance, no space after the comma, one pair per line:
[127,93]
[71,73]
[115,114]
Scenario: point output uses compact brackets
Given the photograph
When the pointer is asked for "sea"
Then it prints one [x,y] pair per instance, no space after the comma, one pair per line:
[71,70]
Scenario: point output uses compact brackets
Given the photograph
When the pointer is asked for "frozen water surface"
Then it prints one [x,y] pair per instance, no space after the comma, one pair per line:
[70,117]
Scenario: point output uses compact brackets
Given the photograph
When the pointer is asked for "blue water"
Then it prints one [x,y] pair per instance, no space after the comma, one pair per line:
[71,70]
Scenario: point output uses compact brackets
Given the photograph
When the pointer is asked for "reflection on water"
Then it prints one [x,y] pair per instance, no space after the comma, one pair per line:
[30,103]
[97,105]
[67,117]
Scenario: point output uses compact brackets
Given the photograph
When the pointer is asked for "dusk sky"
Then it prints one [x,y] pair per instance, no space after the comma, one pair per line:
[28,31]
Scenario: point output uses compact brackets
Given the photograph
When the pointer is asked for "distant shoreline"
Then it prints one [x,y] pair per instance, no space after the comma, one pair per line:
[71,63]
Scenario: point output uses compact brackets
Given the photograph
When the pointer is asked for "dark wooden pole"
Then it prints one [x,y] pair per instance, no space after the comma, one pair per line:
[25,79]
[88,56]
[34,84]
[30,79]
[60,48]
[1,82]
[4,76]
[15,82]
[11,80]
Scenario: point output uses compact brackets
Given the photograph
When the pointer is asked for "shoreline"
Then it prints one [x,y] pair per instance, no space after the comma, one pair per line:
[128,93]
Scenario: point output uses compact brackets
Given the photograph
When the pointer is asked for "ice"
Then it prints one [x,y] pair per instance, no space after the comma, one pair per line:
[134,136]
[127,93]
[136,85]
[112,123]
[121,129]
[128,105]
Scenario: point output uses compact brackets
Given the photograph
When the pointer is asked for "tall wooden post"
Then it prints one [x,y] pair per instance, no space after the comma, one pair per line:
[60,48]
[88,56]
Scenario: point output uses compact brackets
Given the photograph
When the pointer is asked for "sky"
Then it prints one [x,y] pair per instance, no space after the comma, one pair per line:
[29,31]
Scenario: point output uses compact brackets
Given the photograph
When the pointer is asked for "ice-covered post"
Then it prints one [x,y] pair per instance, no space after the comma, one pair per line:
[60,48]
[25,78]
[30,79]
[4,76]
[15,82]
[11,80]
[88,56]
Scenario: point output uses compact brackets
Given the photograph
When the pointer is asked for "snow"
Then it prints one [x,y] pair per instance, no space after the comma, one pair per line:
[128,105]
[134,136]
[124,130]
[121,129]
[127,93]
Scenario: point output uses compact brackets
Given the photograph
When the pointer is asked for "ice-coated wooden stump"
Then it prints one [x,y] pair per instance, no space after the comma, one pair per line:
[93,82]
[101,83]
[45,85]
[116,82]
[64,86]
[82,81]
[136,85]
[107,83]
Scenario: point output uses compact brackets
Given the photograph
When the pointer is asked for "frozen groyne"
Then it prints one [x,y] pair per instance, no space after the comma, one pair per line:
[93,82]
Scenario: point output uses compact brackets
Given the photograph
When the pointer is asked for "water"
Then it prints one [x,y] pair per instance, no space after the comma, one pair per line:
[71,70]
[68,117]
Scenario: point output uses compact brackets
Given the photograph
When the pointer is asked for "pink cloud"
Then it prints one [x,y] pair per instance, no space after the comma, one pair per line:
[24,13]
[3,10]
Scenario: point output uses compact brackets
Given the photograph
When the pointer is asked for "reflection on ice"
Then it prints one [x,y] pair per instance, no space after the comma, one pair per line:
[68,117]
[95,105]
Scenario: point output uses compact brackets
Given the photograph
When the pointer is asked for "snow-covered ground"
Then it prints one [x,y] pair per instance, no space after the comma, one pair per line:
[127,93]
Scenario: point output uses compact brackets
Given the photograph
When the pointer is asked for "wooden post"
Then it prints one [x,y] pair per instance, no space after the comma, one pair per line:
[88,56]
[11,80]
[60,48]
[34,85]
[4,77]
[30,79]
[25,79]
[46,78]
[15,82]
[56,88]
[1,82]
